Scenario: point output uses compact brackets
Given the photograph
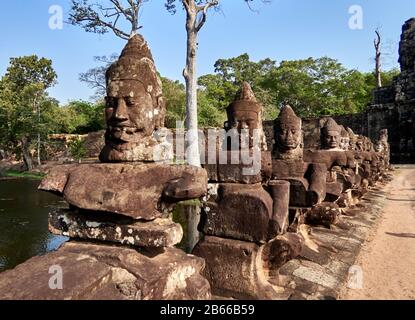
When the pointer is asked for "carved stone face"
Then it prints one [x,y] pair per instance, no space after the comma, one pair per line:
[383,135]
[331,139]
[359,145]
[129,113]
[345,143]
[289,137]
[245,117]
[379,147]
[245,120]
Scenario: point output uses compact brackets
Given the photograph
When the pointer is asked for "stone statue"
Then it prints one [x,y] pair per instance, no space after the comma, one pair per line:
[344,139]
[241,151]
[307,179]
[352,139]
[245,217]
[288,135]
[245,113]
[382,145]
[335,154]
[331,135]
[135,106]
[130,203]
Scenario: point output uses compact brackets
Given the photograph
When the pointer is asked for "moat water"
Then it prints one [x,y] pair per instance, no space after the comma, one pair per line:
[24,222]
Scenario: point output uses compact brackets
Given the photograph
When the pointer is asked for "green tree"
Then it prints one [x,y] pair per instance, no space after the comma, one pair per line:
[221,87]
[313,87]
[85,117]
[22,99]
[175,97]
[78,149]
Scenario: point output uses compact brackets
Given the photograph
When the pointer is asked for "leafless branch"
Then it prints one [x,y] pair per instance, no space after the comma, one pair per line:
[100,18]
[204,9]
[377,43]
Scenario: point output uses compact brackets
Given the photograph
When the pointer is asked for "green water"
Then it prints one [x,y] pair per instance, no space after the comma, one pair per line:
[24,222]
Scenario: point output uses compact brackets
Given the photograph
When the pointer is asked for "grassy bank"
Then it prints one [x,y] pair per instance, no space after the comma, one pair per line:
[27,175]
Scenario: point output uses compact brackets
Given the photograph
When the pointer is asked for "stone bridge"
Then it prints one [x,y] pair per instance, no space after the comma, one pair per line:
[286,207]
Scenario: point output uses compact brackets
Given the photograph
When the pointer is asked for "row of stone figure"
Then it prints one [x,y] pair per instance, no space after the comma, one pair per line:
[119,213]
[251,223]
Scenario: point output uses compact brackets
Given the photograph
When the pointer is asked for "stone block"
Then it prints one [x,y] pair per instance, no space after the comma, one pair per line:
[158,233]
[139,191]
[97,272]
[239,211]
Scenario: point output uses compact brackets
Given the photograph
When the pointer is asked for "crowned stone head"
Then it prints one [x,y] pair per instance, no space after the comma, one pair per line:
[288,135]
[245,114]
[330,135]
[135,106]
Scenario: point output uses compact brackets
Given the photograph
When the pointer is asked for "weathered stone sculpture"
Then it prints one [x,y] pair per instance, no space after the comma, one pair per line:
[352,139]
[241,220]
[288,136]
[124,208]
[341,174]
[245,113]
[382,147]
[331,135]
[344,139]
[134,106]
[332,156]
[244,142]
[307,180]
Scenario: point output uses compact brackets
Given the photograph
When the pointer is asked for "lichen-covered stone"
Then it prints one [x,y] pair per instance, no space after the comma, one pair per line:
[97,272]
[244,270]
[139,191]
[157,234]
[239,211]
[135,107]
[324,214]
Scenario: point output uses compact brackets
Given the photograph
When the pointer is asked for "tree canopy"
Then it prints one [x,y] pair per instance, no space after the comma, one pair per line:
[313,87]
[22,98]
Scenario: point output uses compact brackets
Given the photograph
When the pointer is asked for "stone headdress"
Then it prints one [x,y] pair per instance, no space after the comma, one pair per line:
[245,100]
[331,125]
[136,64]
[287,117]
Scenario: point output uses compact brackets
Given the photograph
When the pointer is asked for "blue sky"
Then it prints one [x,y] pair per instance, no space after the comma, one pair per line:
[282,30]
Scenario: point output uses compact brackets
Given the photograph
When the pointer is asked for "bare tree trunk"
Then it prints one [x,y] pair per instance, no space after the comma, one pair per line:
[26,154]
[39,162]
[190,75]
[378,71]
[36,106]
[192,213]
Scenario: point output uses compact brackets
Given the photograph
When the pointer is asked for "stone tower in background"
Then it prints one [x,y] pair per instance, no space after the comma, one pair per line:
[393,106]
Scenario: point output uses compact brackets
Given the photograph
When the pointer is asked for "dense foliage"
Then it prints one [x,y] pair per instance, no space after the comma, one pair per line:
[28,114]
[313,87]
